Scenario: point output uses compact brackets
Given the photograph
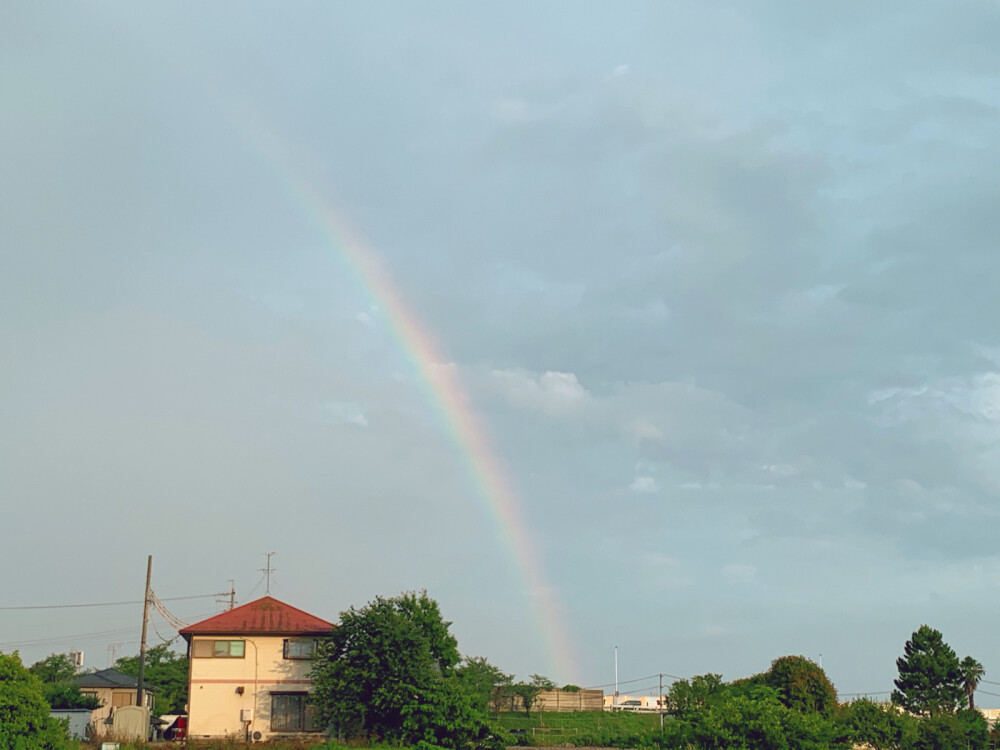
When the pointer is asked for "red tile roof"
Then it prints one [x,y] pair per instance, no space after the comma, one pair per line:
[266,616]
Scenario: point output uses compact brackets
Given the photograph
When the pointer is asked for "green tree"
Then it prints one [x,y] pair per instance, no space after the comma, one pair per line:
[25,723]
[62,695]
[687,696]
[879,726]
[388,672]
[941,731]
[486,685]
[930,678]
[977,729]
[166,672]
[753,719]
[528,691]
[54,668]
[802,685]
[972,673]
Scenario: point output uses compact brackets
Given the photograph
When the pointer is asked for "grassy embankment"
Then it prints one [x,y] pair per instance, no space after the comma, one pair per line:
[592,728]
[581,728]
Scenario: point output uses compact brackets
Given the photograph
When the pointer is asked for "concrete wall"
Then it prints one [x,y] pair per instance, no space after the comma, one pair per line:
[79,719]
[221,687]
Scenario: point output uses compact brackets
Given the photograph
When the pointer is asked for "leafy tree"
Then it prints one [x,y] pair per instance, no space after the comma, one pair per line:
[424,612]
[877,725]
[54,668]
[444,716]
[685,697]
[62,695]
[388,672]
[24,715]
[941,731]
[485,684]
[166,671]
[930,678]
[751,719]
[977,729]
[528,691]
[972,673]
[802,685]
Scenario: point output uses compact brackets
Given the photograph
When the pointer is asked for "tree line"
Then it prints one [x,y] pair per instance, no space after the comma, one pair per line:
[391,672]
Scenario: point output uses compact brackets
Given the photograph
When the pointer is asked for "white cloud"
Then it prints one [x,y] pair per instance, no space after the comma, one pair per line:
[780,470]
[344,412]
[553,393]
[645,485]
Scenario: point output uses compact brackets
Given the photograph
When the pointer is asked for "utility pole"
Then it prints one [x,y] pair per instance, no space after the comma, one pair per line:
[660,701]
[142,643]
[615,702]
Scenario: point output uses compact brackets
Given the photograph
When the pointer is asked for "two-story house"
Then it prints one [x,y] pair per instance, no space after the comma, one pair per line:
[249,671]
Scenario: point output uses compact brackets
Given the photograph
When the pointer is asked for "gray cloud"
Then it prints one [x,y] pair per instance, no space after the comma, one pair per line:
[718,280]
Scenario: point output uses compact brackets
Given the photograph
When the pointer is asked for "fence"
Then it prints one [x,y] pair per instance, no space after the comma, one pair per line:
[558,700]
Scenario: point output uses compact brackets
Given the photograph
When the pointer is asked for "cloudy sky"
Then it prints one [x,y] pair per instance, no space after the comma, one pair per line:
[718,281]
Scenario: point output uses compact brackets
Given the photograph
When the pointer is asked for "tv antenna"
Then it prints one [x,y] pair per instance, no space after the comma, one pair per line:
[267,573]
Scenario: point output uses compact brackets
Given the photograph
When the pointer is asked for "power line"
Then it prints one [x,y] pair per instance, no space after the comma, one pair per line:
[108,604]
[625,682]
[96,635]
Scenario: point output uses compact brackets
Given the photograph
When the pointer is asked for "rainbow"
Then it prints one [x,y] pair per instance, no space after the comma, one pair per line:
[442,389]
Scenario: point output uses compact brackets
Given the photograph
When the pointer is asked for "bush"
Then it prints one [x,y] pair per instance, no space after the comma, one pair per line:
[25,723]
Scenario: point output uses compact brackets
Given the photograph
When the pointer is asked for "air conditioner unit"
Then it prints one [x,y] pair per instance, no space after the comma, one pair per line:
[246,714]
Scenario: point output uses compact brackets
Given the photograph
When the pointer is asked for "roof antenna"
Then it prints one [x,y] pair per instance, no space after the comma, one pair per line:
[267,572]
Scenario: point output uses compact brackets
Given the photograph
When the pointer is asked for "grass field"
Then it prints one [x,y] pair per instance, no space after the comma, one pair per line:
[603,728]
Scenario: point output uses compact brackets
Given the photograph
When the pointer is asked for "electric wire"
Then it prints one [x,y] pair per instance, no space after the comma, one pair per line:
[625,682]
[81,637]
[106,604]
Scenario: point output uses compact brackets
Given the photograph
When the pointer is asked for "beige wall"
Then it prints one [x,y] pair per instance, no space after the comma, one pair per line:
[214,701]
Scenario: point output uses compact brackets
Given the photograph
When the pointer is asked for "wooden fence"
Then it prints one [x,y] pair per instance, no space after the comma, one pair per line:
[559,700]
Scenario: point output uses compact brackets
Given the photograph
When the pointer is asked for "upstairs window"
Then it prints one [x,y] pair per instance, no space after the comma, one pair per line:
[299,648]
[208,649]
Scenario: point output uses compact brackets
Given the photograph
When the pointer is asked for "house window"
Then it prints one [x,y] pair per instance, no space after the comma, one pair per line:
[299,648]
[206,649]
[291,712]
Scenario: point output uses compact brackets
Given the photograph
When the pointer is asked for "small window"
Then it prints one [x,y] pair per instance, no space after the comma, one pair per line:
[206,649]
[299,648]
[291,712]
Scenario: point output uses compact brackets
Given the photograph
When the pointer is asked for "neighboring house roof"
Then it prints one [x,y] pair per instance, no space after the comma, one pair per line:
[265,616]
[106,678]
